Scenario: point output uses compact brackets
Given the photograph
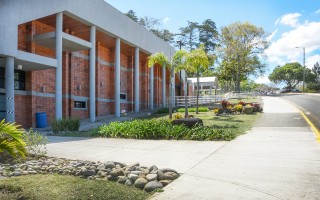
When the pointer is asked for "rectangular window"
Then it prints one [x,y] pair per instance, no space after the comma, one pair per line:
[80,104]
[2,72]
[123,96]
[19,79]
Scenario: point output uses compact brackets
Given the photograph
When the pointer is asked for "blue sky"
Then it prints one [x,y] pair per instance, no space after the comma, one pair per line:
[290,23]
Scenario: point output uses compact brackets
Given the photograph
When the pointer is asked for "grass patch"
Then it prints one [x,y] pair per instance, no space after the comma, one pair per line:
[238,124]
[200,109]
[65,187]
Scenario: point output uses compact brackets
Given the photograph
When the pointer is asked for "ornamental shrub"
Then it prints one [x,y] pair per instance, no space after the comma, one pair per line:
[62,125]
[35,142]
[200,109]
[177,116]
[155,129]
[238,107]
[248,109]
[225,103]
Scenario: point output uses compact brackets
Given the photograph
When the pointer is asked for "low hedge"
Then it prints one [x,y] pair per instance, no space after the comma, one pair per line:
[200,109]
[155,129]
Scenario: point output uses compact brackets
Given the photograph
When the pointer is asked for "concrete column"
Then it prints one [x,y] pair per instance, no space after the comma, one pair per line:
[117,78]
[9,75]
[173,90]
[59,23]
[136,81]
[151,87]
[164,86]
[93,74]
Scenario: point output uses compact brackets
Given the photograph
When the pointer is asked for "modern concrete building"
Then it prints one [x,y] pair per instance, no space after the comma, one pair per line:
[208,85]
[76,58]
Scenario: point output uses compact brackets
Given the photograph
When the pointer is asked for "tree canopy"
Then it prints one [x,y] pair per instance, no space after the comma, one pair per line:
[241,46]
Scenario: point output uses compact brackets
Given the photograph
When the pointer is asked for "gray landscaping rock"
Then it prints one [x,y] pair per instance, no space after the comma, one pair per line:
[111,178]
[117,172]
[149,187]
[140,183]
[151,177]
[165,182]
[109,165]
[122,165]
[101,174]
[189,122]
[133,177]
[122,179]
[170,175]
[17,173]
[88,173]
[152,169]
[128,182]
[101,167]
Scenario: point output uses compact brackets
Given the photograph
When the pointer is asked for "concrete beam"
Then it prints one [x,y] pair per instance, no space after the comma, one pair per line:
[151,87]
[164,97]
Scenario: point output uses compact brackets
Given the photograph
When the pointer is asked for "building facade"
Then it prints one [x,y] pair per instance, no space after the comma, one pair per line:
[76,58]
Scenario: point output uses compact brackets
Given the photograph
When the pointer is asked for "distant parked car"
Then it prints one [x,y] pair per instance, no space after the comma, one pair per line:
[295,90]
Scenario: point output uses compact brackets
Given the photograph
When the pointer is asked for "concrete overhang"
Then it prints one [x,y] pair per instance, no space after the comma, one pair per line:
[31,62]
[69,42]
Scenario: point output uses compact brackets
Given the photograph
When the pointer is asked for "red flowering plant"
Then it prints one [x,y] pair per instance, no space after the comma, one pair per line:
[242,103]
[225,103]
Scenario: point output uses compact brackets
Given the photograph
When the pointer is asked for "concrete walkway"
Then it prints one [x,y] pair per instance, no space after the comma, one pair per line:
[278,159]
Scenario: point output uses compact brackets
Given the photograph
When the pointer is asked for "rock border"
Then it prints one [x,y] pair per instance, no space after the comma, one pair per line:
[135,175]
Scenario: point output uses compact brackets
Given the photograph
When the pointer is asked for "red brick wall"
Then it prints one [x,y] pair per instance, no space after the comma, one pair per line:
[76,80]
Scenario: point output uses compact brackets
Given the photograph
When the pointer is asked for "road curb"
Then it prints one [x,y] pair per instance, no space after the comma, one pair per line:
[314,129]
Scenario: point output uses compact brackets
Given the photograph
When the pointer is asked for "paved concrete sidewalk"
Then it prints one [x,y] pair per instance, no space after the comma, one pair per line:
[277,159]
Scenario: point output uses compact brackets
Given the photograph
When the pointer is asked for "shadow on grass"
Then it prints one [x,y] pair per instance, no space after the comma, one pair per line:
[225,119]
[223,127]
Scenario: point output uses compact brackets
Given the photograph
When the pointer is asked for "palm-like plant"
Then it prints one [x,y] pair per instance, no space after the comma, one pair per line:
[11,140]
[197,60]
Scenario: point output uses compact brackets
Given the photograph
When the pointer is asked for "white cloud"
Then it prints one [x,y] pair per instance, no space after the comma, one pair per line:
[290,19]
[263,80]
[317,12]
[166,20]
[283,50]
[269,38]
[311,60]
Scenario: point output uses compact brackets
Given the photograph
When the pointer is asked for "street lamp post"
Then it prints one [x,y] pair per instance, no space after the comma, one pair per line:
[304,67]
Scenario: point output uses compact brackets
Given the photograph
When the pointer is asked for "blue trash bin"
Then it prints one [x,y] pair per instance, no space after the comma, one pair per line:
[41,119]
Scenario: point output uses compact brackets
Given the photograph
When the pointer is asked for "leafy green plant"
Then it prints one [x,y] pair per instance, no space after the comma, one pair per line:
[35,142]
[177,116]
[163,111]
[200,109]
[69,124]
[11,141]
[160,129]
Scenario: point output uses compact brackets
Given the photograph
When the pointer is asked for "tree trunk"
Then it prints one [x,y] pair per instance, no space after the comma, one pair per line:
[198,91]
[186,97]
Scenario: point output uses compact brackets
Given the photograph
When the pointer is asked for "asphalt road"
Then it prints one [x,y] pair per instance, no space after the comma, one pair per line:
[309,104]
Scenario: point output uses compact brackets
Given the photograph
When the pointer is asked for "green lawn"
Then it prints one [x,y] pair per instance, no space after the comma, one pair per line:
[65,187]
[237,123]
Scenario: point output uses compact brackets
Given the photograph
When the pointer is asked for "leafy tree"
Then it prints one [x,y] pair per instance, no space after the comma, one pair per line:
[162,60]
[291,74]
[189,35]
[164,34]
[11,141]
[208,35]
[316,71]
[240,45]
[131,14]
[149,23]
[197,60]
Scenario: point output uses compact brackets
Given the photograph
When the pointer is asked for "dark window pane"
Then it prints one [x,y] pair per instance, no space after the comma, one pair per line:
[80,104]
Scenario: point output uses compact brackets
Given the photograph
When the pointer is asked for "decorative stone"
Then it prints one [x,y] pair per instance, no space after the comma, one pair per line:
[152,169]
[122,179]
[149,187]
[88,173]
[189,122]
[140,183]
[165,182]
[109,165]
[170,176]
[117,172]
[122,165]
[101,167]
[17,173]
[151,177]
[101,174]
[128,182]
[133,177]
